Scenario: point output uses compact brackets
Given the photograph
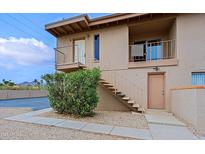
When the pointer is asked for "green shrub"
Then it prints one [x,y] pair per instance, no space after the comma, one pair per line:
[73,93]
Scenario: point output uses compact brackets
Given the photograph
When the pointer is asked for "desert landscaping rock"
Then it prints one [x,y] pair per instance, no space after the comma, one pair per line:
[13,130]
[155,131]
[88,127]
[122,119]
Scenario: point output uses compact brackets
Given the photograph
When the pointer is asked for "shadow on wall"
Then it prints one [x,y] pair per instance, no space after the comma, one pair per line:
[188,104]
[107,102]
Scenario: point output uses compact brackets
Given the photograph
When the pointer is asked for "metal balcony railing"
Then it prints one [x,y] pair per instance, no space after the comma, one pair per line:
[152,51]
[69,55]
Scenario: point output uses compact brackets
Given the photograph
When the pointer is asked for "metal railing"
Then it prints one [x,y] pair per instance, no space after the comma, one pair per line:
[149,51]
[122,83]
[58,54]
[69,55]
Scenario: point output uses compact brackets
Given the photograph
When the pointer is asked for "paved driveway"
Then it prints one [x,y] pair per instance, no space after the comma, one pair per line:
[34,103]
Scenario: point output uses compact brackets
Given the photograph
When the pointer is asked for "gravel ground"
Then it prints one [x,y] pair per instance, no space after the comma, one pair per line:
[17,130]
[124,119]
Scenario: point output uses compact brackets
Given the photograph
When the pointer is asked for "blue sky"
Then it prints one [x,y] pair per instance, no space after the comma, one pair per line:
[26,49]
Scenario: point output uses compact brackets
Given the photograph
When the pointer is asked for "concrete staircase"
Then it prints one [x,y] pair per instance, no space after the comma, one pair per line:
[123,98]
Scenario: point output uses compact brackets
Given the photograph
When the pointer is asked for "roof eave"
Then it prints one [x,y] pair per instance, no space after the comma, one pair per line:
[83,23]
[63,22]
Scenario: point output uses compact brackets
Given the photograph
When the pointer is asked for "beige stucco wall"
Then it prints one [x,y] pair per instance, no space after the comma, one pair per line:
[201,110]
[188,30]
[190,54]
[107,102]
[12,94]
[172,31]
[113,43]
[184,105]
[188,105]
[66,47]
[154,35]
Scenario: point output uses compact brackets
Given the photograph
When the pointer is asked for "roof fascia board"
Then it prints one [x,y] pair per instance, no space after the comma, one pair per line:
[120,17]
[88,22]
[154,20]
[66,22]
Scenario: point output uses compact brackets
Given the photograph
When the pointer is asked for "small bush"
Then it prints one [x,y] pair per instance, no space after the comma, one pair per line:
[73,93]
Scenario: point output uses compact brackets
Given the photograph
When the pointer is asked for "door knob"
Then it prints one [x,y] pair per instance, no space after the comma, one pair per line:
[162,92]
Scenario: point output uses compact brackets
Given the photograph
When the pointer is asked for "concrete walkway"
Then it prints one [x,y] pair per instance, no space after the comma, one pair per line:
[161,126]
[164,126]
[32,117]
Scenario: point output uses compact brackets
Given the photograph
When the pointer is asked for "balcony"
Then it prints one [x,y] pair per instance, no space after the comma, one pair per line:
[152,53]
[70,58]
[153,43]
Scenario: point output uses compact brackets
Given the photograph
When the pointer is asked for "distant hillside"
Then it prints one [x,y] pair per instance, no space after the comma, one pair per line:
[26,83]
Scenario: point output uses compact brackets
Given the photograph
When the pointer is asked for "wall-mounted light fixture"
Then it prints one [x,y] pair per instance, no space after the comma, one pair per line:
[156,68]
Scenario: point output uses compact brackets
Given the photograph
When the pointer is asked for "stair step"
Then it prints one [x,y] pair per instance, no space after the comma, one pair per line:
[103,81]
[121,95]
[141,109]
[118,92]
[111,88]
[126,98]
[107,85]
[131,102]
[136,105]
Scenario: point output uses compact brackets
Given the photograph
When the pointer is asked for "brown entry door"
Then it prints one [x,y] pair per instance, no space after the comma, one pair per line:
[156,91]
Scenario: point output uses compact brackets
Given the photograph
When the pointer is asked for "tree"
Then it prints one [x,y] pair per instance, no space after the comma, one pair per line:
[8,83]
[36,82]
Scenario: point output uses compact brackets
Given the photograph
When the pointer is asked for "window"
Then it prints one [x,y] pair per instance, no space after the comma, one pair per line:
[198,78]
[138,51]
[96,47]
[147,50]
[154,49]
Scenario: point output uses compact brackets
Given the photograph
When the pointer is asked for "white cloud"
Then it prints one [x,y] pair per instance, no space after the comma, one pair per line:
[24,51]
[7,66]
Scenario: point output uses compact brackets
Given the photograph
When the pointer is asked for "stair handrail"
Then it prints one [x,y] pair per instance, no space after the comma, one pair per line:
[123,84]
[115,77]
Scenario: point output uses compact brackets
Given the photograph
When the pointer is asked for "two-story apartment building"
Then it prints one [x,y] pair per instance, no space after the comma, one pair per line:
[143,56]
